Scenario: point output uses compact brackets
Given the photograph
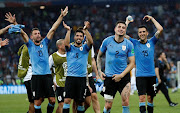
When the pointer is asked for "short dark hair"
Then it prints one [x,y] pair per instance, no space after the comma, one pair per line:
[159,54]
[143,26]
[80,29]
[34,30]
[123,22]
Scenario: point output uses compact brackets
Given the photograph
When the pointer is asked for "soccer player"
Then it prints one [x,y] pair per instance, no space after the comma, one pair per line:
[145,71]
[25,72]
[58,60]
[91,95]
[38,51]
[2,31]
[116,78]
[77,56]
[160,65]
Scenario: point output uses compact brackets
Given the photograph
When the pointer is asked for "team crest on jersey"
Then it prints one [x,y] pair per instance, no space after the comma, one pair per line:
[148,45]
[81,48]
[41,46]
[123,48]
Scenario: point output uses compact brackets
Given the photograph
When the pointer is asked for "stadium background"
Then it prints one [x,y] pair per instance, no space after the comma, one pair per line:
[101,13]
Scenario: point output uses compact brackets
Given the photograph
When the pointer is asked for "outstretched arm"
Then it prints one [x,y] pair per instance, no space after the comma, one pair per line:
[12,19]
[67,38]
[57,23]
[88,35]
[157,25]
[4,30]
[129,19]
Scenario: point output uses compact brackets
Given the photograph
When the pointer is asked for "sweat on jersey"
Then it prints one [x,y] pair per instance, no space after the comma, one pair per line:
[39,57]
[144,57]
[116,55]
[77,60]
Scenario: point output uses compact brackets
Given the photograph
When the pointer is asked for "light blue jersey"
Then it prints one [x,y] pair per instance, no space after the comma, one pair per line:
[77,60]
[116,55]
[39,57]
[144,57]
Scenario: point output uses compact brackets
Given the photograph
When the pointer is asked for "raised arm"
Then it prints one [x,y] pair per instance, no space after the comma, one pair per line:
[51,32]
[157,25]
[4,30]
[12,19]
[67,38]
[129,19]
[88,35]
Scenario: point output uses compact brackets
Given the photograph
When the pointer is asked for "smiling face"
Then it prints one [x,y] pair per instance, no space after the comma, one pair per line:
[120,29]
[78,38]
[36,36]
[143,33]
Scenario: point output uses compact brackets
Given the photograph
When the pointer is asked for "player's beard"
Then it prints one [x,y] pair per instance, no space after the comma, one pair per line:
[78,43]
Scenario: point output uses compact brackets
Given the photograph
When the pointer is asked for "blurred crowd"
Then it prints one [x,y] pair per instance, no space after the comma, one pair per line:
[102,19]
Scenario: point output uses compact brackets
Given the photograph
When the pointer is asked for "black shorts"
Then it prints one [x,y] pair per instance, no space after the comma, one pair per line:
[59,94]
[92,85]
[29,91]
[146,85]
[75,88]
[111,87]
[42,86]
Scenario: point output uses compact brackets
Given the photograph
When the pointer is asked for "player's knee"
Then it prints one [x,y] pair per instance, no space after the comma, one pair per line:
[88,104]
[52,100]
[94,97]
[125,102]
[67,101]
[149,99]
[142,98]
[61,105]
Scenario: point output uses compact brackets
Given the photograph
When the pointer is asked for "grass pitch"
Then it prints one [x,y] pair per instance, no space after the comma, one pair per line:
[18,103]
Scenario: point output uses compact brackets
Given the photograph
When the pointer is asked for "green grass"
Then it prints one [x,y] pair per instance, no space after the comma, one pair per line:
[18,103]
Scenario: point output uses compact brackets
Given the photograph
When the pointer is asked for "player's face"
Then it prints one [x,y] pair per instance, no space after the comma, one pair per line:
[78,38]
[142,33]
[163,55]
[36,36]
[120,29]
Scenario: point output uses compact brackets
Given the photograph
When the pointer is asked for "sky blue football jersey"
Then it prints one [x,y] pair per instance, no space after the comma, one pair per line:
[144,57]
[116,55]
[39,57]
[77,60]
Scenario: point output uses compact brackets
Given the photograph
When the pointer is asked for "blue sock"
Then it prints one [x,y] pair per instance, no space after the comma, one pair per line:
[105,110]
[125,109]
[150,104]
[142,104]
[80,108]
[66,106]
[37,107]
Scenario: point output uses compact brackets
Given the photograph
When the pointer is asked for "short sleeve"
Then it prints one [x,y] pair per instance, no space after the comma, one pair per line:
[46,40]
[156,64]
[153,40]
[133,41]
[86,47]
[29,43]
[103,47]
[130,49]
